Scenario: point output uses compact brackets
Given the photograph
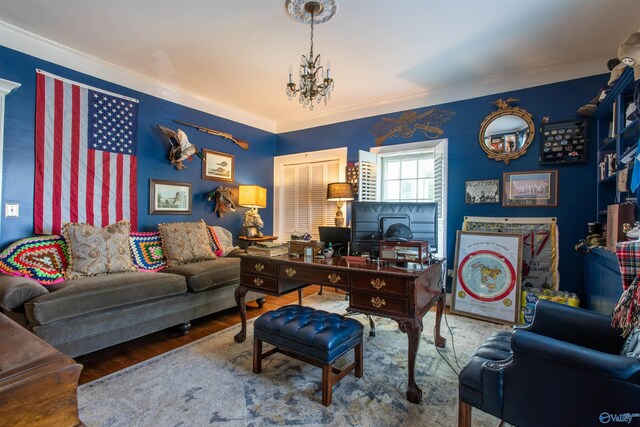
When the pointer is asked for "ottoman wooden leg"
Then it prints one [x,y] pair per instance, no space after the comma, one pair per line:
[327,386]
[257,355]
[358,356]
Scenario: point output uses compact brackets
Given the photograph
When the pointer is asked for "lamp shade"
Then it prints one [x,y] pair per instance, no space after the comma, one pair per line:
[339,192]
[252,196]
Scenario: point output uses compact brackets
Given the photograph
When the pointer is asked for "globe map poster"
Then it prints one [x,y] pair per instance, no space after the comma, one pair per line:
[487,276]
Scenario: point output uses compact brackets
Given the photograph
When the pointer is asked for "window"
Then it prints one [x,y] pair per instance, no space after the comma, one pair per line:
[414,172]
[300,197]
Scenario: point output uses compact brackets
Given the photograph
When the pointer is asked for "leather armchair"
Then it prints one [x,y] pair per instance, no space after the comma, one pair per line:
[568,368]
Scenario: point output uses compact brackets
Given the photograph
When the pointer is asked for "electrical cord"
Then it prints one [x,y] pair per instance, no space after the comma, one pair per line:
[442,286]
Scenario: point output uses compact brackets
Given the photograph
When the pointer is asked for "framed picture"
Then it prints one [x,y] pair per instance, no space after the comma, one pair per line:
[217,166]
[533,189]
[484,191]
[487,278]
[251,231]
[169,197]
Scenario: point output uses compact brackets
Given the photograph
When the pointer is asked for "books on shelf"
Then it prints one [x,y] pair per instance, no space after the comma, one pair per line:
[269,250]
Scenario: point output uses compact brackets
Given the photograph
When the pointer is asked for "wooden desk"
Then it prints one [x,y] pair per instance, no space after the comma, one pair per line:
[402,295]
[38,384]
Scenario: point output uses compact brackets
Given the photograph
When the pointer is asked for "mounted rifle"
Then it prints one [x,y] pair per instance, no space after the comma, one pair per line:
[242,144]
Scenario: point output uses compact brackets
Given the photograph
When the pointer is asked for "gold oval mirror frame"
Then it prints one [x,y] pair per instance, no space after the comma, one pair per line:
[507,133]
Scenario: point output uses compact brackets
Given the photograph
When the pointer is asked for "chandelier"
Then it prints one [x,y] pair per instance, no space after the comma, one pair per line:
[314,84]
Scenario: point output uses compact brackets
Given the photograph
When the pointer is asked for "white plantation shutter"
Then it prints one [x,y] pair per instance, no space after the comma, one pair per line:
[438,182]
[304,197]
[367,176]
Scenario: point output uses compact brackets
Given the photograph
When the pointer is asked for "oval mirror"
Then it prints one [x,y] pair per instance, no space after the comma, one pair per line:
[507,133]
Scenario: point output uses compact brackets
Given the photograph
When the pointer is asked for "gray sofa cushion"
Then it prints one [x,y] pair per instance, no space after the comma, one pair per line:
[90,294]
[210,274]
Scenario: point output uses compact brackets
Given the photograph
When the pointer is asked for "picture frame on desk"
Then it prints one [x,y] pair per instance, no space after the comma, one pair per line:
[251,231]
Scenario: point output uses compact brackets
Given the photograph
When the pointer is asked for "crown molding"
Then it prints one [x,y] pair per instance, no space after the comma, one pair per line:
[498,83]
[32,44]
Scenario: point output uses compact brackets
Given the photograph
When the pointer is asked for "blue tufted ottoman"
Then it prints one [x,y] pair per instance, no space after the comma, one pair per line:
[312,336]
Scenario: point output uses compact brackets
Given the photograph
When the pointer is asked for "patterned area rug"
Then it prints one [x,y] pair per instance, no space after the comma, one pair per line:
[210,382]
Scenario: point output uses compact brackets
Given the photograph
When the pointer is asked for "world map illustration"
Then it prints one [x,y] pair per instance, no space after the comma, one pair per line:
[486,275]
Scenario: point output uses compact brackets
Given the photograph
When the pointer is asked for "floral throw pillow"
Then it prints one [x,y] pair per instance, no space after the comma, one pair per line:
[185,242]
[146,250]
[94,250]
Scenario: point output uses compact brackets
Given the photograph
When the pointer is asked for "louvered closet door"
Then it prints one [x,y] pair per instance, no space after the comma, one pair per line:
[304,197]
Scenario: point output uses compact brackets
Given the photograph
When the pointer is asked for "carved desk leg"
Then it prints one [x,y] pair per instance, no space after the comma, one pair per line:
[439,339]
[241,292]
[412,328]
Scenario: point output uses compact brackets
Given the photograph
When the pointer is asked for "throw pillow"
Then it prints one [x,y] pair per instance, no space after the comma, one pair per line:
[216,246]
[42,258]
[95,250]
[146,250]
[225,238]
[185,242]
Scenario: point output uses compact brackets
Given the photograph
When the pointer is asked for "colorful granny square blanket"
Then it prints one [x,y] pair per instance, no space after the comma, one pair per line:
[216,246]
[42,258]
[146,250]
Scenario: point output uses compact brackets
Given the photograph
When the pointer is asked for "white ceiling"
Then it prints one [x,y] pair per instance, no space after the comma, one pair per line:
[231,57]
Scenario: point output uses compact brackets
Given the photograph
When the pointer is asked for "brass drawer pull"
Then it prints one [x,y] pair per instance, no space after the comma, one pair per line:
[258,281]
[377,283]
[334,278]
[259,267]
[290,272]
[377,302]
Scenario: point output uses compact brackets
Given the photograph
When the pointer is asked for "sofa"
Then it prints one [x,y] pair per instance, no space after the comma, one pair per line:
[85,314]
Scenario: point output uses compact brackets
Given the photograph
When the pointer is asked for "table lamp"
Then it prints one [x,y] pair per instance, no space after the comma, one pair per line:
[254,197]
[339,192]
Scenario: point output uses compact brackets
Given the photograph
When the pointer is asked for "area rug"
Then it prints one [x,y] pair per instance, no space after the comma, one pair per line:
[210,382]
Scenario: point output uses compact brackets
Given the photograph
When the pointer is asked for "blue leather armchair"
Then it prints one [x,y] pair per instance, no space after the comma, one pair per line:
[568,368]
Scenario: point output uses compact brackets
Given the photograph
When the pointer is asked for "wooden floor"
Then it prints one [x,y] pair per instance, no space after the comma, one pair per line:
[112,359]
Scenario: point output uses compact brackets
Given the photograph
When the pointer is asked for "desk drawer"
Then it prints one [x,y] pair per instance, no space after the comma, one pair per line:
[382,304]
[379,283]
[260,266]
[318,276]
[258,281]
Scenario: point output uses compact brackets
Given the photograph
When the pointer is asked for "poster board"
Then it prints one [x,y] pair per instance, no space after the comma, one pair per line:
[488,276]
[539,246]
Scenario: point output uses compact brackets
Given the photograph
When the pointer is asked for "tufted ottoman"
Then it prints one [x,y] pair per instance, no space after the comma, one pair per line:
[312,336]
[479,390]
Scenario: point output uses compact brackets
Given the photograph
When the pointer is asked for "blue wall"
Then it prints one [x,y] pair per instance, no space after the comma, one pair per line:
[254,166]
[467,161]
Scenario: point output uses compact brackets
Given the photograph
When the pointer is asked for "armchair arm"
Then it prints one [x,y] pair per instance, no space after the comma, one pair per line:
[237,253]
[581,327]
[574,357]
[15,291]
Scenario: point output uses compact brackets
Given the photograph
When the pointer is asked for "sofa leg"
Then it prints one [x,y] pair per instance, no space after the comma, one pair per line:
[260,301]
[183,328]
[464,414]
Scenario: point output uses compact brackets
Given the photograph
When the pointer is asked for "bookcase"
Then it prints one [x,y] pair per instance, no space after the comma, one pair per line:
[617,140]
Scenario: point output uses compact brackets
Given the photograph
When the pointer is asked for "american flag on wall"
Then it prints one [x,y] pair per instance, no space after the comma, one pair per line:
[86,143]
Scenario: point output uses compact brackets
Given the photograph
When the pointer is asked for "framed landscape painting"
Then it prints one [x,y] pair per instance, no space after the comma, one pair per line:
[217,166]
[169,197]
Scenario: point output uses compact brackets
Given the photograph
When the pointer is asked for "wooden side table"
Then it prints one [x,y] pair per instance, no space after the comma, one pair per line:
[253,240]
[38,384]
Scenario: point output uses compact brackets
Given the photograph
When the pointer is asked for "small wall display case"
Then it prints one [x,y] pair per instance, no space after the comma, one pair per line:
[563,142]
[402,253]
